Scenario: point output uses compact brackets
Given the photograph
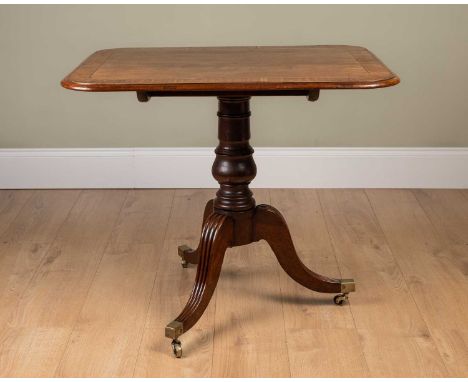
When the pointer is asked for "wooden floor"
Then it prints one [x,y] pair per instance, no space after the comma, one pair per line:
[89,279]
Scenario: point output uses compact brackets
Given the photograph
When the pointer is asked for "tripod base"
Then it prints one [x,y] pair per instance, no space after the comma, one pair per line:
[223,230]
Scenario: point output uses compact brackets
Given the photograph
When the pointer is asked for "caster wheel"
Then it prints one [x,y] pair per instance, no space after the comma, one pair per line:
[177,348]
[184,263]
[340,299]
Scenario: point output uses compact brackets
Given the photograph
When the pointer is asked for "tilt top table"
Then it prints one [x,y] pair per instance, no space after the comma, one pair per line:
[234,74]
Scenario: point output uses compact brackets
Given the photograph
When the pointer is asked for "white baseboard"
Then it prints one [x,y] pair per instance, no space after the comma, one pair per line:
[277,168]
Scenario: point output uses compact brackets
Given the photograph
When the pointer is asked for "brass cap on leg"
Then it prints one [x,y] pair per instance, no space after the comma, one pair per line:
[182,249]
[347,286]
[174,329]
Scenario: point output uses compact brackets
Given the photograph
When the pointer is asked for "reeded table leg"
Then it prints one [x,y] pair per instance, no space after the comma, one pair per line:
[232,219]
[216,236]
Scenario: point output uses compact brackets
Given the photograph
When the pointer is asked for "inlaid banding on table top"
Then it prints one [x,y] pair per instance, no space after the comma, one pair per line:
[231,69]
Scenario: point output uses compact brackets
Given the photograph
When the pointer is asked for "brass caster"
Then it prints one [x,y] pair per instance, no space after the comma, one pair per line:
[340,299]
[176,348]
[181,250]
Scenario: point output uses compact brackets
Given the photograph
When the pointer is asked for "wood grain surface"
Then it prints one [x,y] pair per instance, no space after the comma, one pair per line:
[251,68]
[90,278]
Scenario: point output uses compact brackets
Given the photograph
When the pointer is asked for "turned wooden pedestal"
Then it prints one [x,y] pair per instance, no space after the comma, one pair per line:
[233,74]
[232,219]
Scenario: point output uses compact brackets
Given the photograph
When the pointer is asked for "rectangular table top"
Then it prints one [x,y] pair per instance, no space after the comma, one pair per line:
[211,69]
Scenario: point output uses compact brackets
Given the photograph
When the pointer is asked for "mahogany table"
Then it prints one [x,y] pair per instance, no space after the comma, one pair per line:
[234,74]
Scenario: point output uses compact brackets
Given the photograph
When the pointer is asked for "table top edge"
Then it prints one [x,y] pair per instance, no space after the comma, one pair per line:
[200,87]
[73,81]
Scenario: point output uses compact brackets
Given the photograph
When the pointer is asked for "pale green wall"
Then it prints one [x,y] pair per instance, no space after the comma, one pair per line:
[426,45]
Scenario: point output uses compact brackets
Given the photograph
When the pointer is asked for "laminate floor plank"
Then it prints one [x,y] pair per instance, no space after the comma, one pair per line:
[106,337]
[429,263]
[41,216]
[18,264]
[40,320]
[315,326]
[144,217]
[31,220]
[438,286]
[11,203]
[384,310]
[448,212]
